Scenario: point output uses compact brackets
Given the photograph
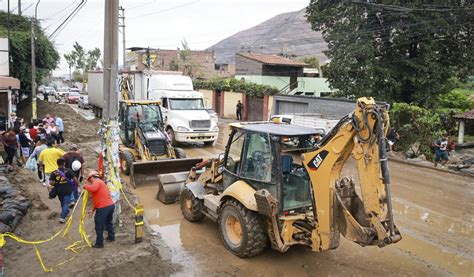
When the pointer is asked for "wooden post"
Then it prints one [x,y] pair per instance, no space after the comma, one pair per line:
[461,131]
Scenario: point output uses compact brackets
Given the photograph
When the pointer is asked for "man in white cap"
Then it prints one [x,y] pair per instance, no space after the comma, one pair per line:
[75,162]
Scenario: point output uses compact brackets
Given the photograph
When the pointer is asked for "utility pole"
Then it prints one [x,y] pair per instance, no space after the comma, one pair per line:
[33,64]
[110,59]
[19,7]
[122,17]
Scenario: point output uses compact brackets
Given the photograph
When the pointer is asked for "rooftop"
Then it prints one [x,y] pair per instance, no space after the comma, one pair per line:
[466,115]
[271,59]
[278,129]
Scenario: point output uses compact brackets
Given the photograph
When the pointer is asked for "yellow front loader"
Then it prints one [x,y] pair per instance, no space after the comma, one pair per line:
[276,185]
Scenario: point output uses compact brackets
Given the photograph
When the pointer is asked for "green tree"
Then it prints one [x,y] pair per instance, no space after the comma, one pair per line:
[92,58]
[47,58]
[81,60]
[313,61]
[394,50]
[173,65]
[71,61]
[190,67]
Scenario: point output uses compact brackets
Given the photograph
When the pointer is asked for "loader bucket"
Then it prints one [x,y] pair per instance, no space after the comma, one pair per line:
[146,173]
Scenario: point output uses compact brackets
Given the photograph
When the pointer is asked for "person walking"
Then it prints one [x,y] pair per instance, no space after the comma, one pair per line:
[60,124]
[54,132]
[48,158]
[238,110]
[441,152]
[75,162]
[48,119]
[392,137]
[25,145]
[40,146]
[10,145]
[103,207]
[33,130]
[11,120]
[61,182]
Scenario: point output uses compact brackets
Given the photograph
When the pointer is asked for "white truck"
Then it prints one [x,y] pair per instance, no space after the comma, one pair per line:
[185,117]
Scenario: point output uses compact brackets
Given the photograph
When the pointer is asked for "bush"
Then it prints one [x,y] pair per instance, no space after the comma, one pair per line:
[232,84]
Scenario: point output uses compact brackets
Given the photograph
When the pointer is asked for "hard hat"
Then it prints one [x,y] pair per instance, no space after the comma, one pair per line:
[76,165]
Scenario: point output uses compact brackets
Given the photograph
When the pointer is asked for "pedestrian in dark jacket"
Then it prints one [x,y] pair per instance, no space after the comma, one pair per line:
[61,182]
[10,145]
[238,110]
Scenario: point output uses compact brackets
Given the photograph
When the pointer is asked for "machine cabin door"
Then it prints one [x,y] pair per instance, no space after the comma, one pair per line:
[123,111]
[233,157]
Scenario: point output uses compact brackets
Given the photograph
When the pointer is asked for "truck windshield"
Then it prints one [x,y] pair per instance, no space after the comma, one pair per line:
[145,114]
[186,104]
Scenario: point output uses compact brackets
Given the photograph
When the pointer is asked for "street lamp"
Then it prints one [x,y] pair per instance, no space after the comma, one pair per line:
[33,65]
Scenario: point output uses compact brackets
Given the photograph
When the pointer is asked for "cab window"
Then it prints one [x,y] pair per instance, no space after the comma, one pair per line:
[258,161]
[235,149]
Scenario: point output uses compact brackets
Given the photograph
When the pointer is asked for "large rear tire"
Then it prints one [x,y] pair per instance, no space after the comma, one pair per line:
[191,207]
[241,230]
[126,161]
[179,152]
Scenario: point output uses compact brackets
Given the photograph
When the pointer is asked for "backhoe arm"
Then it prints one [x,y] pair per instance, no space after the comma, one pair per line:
[367,220]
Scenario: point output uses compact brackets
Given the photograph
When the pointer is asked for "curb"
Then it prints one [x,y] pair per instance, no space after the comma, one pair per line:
[429,167]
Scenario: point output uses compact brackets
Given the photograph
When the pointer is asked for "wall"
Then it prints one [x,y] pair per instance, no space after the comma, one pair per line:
[207,95]
[278,82]
[230,101]
[281,70]
[245,66]
[329,108]
[315,85]
[4,60]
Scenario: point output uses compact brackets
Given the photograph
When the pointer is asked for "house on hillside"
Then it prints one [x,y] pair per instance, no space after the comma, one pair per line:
[203,62]
[287,75]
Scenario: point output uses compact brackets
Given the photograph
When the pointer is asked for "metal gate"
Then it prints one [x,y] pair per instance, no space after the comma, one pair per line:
[287,107]
[217,102]
[254,109]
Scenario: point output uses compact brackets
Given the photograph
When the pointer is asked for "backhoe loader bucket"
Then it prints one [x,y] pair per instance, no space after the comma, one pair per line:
[146,173]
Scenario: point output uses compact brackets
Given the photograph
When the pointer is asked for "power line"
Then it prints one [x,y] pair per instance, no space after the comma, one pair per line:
[166,10]
[68,19]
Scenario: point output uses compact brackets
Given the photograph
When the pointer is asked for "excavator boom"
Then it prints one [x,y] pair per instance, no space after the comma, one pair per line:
[366,220]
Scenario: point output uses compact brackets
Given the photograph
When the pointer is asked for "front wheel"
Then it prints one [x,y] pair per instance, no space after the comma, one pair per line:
[180,154]
[172,137]
[241,230]
[126,161]
[191,207]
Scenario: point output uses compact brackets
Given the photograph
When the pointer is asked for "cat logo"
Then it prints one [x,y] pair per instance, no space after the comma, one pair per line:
[316,162]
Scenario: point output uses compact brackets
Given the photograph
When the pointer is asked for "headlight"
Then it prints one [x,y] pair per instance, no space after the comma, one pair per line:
[215,128]
[182,129]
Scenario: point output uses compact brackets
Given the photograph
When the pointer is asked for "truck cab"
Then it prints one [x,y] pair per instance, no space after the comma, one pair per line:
[184,114]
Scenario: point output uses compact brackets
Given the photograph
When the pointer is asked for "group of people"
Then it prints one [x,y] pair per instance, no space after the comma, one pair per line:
[61,172]
[21,139]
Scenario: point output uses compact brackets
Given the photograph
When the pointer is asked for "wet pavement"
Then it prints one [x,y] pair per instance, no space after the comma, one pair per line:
[433,211]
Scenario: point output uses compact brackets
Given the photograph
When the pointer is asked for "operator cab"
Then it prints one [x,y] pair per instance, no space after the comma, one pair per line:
[266,155]
[143,114]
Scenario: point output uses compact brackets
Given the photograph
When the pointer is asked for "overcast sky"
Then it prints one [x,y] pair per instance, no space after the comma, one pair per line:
[155,23]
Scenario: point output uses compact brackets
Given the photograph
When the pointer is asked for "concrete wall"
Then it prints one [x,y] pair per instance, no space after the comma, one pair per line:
[245,66]
[329,108]
[207,95]
[230,101]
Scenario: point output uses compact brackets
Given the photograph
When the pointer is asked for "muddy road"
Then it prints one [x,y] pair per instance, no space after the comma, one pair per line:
[433,211]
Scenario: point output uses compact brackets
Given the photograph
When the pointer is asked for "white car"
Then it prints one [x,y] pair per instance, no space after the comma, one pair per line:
[62,92]
[74,90]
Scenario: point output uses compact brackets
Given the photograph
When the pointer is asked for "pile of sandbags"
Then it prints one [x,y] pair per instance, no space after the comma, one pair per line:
[13,206]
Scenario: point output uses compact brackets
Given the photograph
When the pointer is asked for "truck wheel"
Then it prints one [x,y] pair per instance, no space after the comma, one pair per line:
[179,152]
[241,230]
[126,161]
[191,207]
[170,133]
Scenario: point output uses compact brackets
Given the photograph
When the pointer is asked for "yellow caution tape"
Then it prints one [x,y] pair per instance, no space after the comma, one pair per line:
[75,247]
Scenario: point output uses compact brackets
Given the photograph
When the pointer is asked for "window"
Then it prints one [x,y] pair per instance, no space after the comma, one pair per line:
[258,158]
[233,157]
[186,104]
[164,102]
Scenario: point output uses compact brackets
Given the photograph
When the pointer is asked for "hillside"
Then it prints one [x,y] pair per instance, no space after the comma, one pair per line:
[287,33]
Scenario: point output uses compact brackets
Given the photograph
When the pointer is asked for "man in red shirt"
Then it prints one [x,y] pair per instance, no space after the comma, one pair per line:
[103,207]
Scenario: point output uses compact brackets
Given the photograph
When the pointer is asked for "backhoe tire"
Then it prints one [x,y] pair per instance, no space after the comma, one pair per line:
[191,207]
[179,152]
[126,161]
[172,137]
[241,230]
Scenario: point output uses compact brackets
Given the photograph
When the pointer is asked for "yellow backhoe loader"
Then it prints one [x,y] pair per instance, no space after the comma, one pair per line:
[146,151]
[262,191]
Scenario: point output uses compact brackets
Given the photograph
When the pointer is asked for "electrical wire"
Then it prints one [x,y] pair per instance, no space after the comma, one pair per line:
[67,20]
[165,10]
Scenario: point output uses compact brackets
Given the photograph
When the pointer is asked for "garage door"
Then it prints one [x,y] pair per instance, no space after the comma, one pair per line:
[287,107]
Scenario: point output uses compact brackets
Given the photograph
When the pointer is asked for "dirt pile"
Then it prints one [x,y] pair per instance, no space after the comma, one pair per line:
[120,258]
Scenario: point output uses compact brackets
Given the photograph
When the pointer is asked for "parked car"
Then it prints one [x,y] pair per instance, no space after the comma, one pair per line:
[62,92]
[213,115]
[83,102]
[74,90]
[73,97]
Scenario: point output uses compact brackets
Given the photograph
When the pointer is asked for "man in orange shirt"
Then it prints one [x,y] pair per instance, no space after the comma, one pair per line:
[103,207]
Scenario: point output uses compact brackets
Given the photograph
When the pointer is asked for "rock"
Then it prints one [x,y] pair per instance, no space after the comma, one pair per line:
[422,157]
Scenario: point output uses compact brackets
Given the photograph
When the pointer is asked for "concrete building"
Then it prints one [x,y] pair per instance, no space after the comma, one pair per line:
[285,74]
[202,62]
